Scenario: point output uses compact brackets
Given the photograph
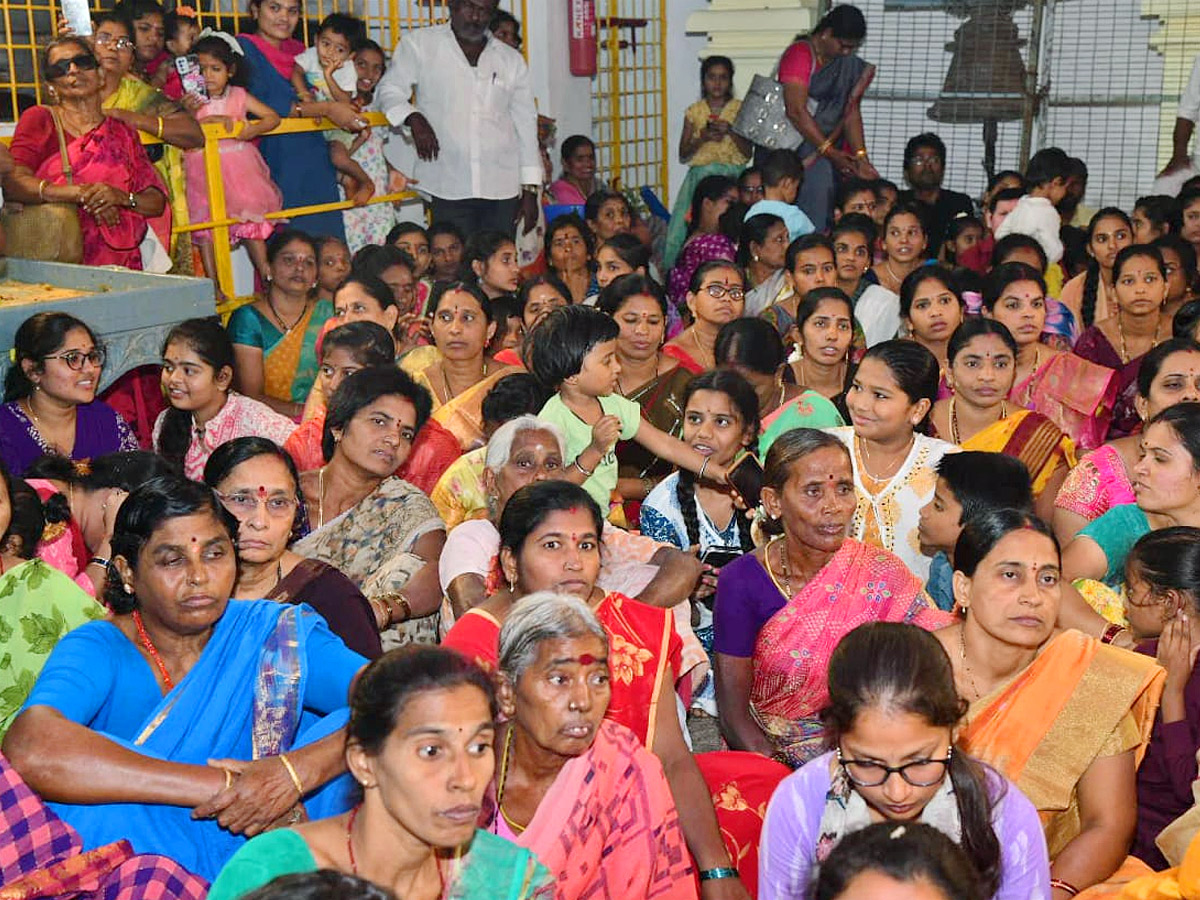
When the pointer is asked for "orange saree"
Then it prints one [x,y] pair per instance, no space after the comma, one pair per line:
[1077,701]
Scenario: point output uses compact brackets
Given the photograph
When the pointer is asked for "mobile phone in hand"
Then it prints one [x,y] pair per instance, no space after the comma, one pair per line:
[746,476]
[78,16]
[188,68]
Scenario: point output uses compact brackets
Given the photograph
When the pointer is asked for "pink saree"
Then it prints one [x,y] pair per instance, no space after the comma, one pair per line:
[1097,484]
[608,826]
[110,153]
[1075,394]
[859,584]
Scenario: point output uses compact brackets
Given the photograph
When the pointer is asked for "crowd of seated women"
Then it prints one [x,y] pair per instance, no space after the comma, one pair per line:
[441,575]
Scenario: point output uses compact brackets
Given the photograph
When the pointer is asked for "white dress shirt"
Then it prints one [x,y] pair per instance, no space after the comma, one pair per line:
[483,115]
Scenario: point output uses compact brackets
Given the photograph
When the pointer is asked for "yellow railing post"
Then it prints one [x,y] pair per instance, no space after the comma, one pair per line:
[222,252]
[614,89]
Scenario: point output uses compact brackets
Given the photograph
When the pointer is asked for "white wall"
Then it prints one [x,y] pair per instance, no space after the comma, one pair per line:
[683,79]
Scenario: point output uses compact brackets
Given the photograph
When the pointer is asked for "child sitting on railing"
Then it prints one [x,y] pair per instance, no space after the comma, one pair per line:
[249,191]
[326,71]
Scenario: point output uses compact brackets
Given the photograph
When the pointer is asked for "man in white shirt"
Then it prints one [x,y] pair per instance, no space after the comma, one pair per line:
[472,120]
[1186,118]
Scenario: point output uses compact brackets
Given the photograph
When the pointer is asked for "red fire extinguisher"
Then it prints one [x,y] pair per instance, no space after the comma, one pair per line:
[583,37]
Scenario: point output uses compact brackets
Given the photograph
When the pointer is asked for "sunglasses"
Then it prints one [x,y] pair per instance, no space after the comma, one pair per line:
[84,62]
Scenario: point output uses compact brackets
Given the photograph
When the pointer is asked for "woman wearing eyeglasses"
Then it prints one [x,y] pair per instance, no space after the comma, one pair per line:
[892,717]
[1065,716]
[716,295]
[258,483]
[50,396]
[117,190]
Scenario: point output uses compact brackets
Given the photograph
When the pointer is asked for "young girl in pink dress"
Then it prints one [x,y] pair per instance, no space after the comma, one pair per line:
[249,191]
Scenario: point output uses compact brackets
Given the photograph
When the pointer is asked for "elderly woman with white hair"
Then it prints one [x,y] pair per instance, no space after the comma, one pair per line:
[522,451]
[579,790]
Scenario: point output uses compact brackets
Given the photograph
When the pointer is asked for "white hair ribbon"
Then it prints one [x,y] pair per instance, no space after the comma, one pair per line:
[224,36]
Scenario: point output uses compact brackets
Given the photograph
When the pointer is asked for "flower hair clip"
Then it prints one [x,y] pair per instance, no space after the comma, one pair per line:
[224,36]
[12,355]
[186,11]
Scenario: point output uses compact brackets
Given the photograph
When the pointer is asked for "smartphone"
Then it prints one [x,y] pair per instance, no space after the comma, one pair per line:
[746,476]
[717,556]
[188,68]
[78,16]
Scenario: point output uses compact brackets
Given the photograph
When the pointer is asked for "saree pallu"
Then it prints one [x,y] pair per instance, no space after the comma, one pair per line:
[789,686]
[111,153]
[38,605]
[1074,394]
[286,365]
[661,400]
[136,96]
[1033,439]
[837,89]
[463,415]
[372,544]
[339,602]
[741,785]
[1094,346]
[643,651]
[244,692]
[686,361]
[608,826]
[1084,690]
[44,857]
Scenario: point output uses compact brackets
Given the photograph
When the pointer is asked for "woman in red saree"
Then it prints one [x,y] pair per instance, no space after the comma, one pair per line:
[606,824]
[550,541]
[117,190]
[781,610]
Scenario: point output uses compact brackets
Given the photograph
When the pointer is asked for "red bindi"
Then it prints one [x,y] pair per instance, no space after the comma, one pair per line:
[587,659]
[573,509]
[262,491]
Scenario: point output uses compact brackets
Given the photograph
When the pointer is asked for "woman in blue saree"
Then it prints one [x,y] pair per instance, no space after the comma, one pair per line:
[299,163]
[188,721]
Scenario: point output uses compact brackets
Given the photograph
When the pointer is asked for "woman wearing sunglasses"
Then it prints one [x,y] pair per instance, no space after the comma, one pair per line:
[50,403]
[118,192]
[892,719]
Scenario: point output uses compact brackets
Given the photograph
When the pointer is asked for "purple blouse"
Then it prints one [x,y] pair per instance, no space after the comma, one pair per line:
[746,600]
[98,430]
[1164,779]
[787,852]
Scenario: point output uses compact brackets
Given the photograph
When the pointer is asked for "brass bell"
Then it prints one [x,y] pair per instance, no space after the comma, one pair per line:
[986,78]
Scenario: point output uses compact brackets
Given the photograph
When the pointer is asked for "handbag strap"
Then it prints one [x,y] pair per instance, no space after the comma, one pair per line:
[62,146]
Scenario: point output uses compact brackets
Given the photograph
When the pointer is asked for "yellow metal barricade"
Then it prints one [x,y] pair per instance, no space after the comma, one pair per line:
[630,101]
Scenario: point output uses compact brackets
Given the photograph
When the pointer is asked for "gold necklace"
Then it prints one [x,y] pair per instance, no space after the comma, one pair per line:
[887,264]
[446,379]
[865,453]
[502,780]
[1037,353]
[700,350]
[786,587]
[1121,333]
[320,498]
[962,642]
[954,419]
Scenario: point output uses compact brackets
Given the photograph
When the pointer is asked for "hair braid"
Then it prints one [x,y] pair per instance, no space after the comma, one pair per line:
[685,494]
[1091,286]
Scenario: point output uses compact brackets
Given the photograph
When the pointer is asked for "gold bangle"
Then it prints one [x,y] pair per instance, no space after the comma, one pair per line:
[287,764]
[160,127]
[378,606]
[862,153]
[228,779]
[42,190]
[824,147]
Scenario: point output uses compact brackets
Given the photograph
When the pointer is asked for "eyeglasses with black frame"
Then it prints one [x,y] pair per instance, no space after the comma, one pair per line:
[76,358]
[717,291]
[918,773]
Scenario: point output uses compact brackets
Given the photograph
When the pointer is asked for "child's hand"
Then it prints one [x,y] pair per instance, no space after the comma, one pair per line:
[192,102]
[398,181]
[1177,653]
[605,433]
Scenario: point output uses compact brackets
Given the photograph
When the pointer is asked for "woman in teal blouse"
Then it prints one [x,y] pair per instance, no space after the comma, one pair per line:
[419,744]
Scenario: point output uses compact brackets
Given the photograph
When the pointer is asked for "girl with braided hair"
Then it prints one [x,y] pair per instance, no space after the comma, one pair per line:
[720,420]
[1090,295]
